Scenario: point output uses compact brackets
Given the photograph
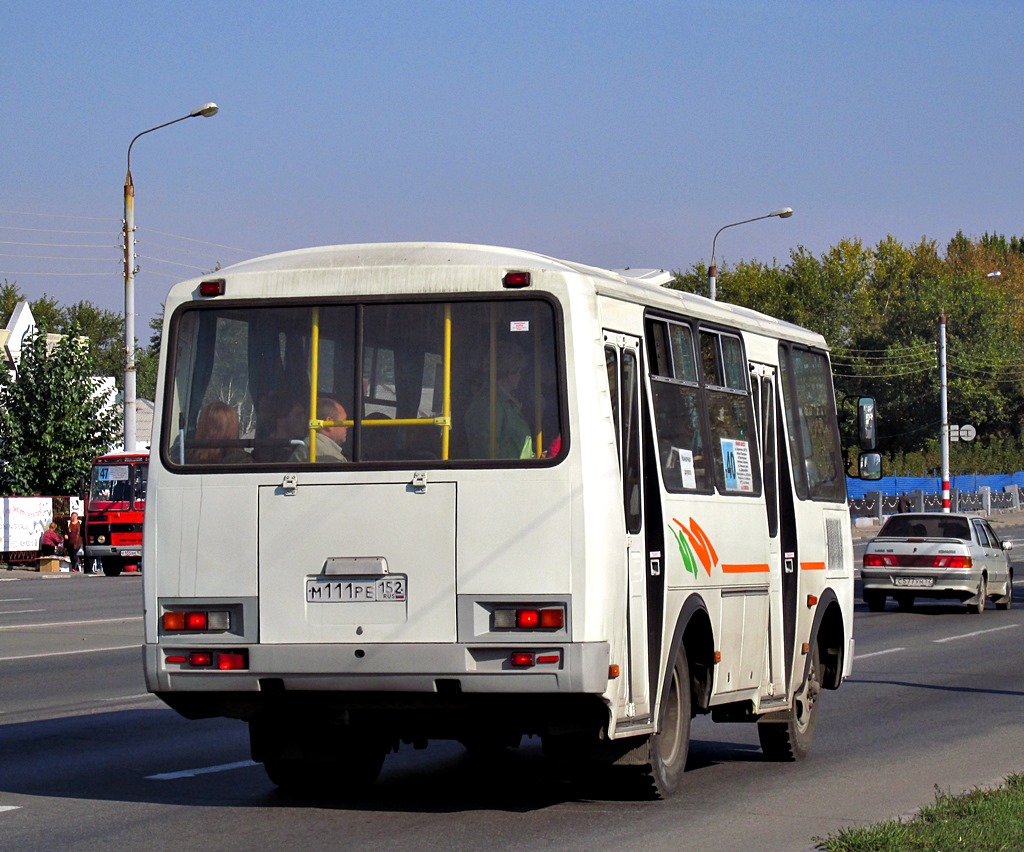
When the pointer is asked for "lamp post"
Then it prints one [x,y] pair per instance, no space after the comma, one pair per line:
[205,110]
[782,213]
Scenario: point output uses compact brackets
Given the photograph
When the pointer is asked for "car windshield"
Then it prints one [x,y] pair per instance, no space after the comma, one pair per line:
[925,526]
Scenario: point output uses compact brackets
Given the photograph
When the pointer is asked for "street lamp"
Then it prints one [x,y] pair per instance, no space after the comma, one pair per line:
[782,213]
[205,110]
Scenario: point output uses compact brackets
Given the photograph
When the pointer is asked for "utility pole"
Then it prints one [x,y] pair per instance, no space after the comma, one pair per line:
[944,411]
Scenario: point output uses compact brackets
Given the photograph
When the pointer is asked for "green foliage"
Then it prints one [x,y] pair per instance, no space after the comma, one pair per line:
[105,330]
[52,419]
[879,310]
[978,820]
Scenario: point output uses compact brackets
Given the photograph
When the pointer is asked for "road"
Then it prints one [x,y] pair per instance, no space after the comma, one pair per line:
[88,760]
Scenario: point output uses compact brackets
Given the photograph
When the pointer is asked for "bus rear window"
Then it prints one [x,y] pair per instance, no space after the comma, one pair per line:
[406,383]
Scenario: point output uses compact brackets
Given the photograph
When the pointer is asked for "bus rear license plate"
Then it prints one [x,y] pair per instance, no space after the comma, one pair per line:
[356,589]
[914,581]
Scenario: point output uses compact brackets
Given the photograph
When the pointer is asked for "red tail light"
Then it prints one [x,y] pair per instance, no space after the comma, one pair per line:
[232,661]
[522,659]
[953,562]
[878,560]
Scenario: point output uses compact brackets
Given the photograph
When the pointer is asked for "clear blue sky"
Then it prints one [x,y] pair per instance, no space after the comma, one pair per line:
[612,133]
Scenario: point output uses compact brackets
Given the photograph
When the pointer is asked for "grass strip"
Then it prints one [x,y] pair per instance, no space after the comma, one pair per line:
[980,820]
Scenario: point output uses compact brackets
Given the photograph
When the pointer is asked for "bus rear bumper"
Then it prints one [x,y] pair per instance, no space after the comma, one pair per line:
[443,669]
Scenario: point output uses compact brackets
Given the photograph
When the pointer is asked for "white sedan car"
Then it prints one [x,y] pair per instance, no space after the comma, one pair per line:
[935,555]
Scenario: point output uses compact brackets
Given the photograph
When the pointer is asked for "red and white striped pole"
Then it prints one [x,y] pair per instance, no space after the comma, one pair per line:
[944,411]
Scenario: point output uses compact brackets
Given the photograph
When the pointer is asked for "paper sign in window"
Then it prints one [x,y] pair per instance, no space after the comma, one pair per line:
[686,471]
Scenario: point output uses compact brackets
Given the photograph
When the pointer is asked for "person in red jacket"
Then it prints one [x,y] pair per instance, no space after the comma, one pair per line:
[50,541]
[73,542]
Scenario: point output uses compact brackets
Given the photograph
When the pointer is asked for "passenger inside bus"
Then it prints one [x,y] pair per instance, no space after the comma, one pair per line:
[511,438]
[216,440]
[329,439]
[282,425]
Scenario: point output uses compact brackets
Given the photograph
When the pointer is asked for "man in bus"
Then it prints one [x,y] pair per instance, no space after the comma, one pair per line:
[329,439]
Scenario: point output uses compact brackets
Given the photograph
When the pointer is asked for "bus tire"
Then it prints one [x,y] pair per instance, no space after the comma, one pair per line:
[671,744]
[112,566]
[791,740]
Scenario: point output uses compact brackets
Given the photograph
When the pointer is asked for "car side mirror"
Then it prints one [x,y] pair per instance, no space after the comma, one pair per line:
[1007,545]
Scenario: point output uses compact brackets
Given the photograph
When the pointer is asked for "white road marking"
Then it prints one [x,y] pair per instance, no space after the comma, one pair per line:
[16,600]
[975,633]
[9,808]
[19,611]
[71,623]
[66,653]
[878,653]
[206,770]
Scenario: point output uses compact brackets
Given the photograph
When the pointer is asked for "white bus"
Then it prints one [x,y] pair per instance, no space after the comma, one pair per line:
[404,492]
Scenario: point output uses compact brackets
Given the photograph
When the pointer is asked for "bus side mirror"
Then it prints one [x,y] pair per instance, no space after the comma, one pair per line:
[869,466]
[866,422]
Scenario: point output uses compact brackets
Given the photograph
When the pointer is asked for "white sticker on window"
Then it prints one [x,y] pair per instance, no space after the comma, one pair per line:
[686,470]
[519,325]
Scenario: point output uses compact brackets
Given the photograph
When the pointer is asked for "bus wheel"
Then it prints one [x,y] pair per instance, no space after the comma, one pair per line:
[791,740]
[671,744]
[112,566]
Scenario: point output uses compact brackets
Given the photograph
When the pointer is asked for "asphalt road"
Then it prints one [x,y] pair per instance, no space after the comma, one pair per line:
[88,760]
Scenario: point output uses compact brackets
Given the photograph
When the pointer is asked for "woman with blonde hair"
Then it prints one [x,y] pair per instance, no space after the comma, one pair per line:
[216,434]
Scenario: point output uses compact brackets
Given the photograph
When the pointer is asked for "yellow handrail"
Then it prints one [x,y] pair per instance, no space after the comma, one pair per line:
[314,382]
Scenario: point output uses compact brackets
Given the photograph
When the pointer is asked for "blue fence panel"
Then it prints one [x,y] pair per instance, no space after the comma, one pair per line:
[896,485]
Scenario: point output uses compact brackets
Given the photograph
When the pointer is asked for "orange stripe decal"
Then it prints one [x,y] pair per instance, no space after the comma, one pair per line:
[745,569]
[812,566]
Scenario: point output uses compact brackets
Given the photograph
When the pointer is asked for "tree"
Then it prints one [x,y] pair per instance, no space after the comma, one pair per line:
[53,420]
[105,330]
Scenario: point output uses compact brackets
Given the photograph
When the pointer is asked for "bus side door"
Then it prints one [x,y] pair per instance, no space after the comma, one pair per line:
[622,360]
[762,384]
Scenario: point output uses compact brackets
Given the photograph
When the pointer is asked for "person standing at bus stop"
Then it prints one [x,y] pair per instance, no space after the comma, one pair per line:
[73,542]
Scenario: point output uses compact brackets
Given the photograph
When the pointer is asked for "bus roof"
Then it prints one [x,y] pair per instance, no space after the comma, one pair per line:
[641,285]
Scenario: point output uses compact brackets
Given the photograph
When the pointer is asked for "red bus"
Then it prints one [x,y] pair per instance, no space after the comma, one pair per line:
[114,510]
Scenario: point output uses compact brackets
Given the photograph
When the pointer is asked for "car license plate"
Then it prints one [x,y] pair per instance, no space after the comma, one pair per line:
[917,582]
[135,553]
[361,589]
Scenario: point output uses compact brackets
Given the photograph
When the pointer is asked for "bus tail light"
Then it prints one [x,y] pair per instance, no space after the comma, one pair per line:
[530,618]
[529,659]
[232,661]
[195,621]
[225,661]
